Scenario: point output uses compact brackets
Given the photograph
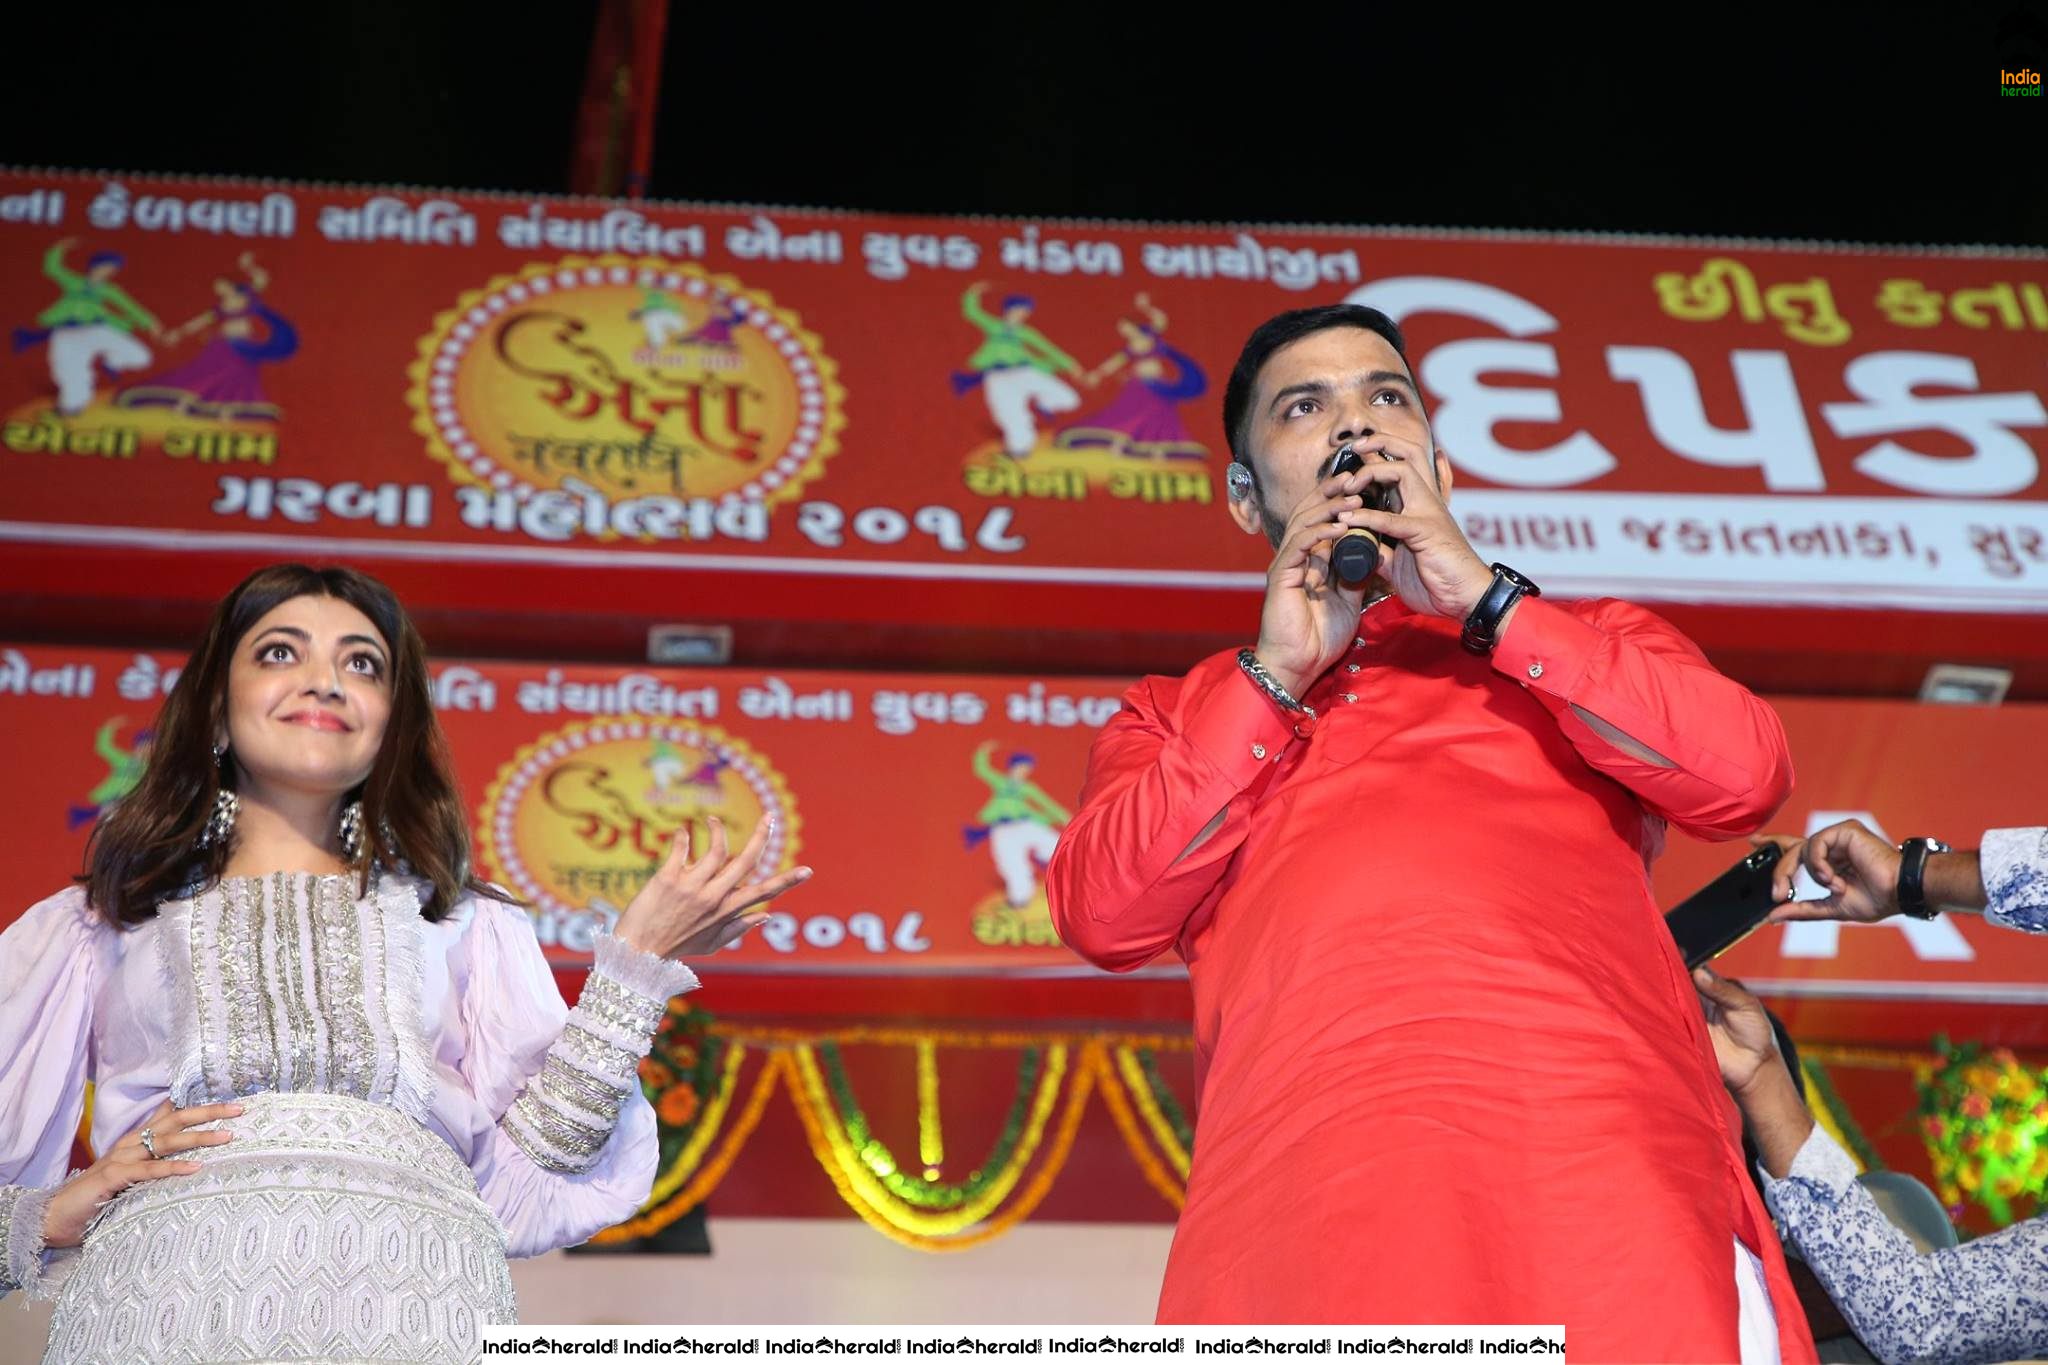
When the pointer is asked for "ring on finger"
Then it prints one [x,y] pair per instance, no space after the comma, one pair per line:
[149,1143]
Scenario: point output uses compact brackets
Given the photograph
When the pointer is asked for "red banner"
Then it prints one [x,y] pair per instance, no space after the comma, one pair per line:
[579,776]
[547,385]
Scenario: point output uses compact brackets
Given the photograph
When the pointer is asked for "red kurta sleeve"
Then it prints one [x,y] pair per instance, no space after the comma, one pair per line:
[1180,751]
[1632,669]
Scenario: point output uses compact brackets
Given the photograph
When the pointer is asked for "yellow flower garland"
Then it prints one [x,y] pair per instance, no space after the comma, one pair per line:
[823,1118]
[1869,1058]
[931,1144]
[792,1064]
[690,1179]
[891,1036]
[1148,1105]
[1156,1175]
[839,1164]
[653,1220]
[708,1124]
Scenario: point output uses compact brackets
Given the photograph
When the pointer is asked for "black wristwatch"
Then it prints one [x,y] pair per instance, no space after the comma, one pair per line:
[1913,876]
[1482,627]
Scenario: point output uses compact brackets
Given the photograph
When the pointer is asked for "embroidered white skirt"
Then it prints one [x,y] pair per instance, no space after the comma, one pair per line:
[330,1229]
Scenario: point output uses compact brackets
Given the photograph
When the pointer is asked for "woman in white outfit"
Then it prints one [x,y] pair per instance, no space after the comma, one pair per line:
[335,1085]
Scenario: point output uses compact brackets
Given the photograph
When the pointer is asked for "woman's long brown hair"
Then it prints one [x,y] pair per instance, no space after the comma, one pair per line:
[146,849]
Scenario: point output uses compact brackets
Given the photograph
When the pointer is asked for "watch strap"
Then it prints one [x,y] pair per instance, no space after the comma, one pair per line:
[1912,889]
[1482,624]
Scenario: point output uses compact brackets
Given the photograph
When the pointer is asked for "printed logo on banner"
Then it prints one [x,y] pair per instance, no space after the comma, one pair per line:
[1016,828]
[113,378]
[578,820]
[623,379]
[125,765]
[1061,429]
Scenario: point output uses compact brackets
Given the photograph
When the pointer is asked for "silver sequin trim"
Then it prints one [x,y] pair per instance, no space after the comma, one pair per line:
[567,1113]
[351,1060]
[607,1002]
[585,1051]
[581,1090]
[278,972]
[576,1143]
[240,922]
[537,1148]
[295,1061]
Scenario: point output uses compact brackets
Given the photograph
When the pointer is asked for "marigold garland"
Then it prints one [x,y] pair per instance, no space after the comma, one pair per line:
[934,1216]
[931,1142]
[1140,1086]
[874,1193]
[707,1126]
[894,1036]
[927,1193]
[1868,1058]
[845,1172]
[1169,1104]
[1156,1175]
[653,1218]
[689,1178]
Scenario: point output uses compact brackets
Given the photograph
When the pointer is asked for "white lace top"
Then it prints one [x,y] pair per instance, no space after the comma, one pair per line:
[292,984]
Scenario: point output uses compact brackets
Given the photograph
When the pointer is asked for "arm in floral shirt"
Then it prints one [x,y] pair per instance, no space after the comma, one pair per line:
[1984,1301]
[2015,868]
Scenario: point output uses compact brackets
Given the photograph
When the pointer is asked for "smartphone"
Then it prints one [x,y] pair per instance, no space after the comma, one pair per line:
[1727,910]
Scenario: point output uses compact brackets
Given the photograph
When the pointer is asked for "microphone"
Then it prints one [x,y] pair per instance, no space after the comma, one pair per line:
[1357,554]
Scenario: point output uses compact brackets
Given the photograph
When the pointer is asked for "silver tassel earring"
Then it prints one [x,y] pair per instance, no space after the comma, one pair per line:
[226,806]
[351,831]
[390,849]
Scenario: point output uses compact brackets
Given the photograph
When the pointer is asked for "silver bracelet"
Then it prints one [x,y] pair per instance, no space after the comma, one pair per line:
[1248,660]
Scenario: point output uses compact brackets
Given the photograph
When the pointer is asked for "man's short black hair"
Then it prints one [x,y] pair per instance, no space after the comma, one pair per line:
[1284,330]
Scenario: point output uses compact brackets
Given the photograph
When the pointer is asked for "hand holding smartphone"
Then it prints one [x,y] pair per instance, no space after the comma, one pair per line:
[1727,910]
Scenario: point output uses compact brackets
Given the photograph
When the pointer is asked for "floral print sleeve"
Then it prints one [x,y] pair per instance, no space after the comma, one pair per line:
[2015,864]
[1984,1301]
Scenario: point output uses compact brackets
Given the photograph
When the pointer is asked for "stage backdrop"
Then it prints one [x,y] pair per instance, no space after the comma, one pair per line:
[534,386]
[579,777]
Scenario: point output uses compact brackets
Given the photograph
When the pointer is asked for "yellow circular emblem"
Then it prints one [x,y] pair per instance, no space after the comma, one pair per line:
[629,378]
[582,817]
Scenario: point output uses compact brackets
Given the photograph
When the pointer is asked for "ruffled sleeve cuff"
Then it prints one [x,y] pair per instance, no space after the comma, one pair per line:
[567,1113]
[642,974]
[22,1209]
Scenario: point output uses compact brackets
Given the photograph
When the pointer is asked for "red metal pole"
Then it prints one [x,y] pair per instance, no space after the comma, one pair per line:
[650,30]
[597,161]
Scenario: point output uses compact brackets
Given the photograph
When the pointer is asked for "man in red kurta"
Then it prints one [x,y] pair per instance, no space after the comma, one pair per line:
[1452,1069]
